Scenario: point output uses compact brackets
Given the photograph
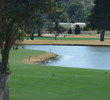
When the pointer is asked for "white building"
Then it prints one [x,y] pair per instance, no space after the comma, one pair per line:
[67,25]
[72,25]
[81,24]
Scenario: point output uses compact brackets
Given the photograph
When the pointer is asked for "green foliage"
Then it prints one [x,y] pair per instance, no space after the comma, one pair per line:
[62,29]
[20,35]
[19,12]
[36,23]
[59,14]
[75,11]
[100,15]
[57,26]
[50,27]
[86,28]
[70,11]
[77,29]
[64,17]
[78,10]
[70,31]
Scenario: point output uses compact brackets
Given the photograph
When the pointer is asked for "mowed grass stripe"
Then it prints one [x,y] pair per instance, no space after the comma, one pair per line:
[67,38]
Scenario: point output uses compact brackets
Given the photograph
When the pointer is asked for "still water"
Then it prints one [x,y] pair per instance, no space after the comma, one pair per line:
[92,57]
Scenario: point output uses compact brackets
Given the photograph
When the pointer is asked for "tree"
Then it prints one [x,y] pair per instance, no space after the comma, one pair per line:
[59,14]
[77,29]
[100,17]
[13,19]
[55,17]
[1,13]
[56,29]
[40,23]
[69,31]
[75,11]
[36,24]
[30,28]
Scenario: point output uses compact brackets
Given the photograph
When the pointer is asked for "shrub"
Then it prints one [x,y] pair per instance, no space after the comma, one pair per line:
[77,29]
[62,29]
[86,28]
[69,31]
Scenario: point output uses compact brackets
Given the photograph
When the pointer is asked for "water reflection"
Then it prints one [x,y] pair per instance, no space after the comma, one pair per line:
[78,56]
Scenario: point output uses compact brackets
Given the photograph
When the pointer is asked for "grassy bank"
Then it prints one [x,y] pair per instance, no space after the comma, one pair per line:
[69,38]
[39,82]
[72,37]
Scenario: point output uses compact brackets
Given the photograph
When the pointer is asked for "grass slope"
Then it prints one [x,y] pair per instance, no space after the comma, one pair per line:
[36,82]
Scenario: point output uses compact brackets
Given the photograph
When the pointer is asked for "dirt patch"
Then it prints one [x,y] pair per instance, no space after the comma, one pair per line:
[40,58]
[68,42]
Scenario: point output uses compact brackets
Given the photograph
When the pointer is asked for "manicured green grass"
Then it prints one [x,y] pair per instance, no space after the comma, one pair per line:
[67,38]
[36,82]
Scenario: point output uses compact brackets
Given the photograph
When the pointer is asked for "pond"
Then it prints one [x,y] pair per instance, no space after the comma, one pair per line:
[92,57]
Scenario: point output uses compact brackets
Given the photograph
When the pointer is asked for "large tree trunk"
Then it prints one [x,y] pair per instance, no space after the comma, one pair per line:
[56,37]
[102,34]
[4,77]
[56,34]
[32,36]
[4,90]
[39,33]
[4,73]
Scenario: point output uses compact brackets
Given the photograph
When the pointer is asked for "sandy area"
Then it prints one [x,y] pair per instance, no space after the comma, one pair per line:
[67,42]
[40,58]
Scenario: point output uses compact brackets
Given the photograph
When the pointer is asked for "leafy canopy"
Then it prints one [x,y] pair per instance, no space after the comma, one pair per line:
[100,15]
[17,14]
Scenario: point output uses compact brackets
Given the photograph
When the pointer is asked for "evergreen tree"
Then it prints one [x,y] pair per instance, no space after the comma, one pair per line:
[77,30]
[69,31]
[100,17]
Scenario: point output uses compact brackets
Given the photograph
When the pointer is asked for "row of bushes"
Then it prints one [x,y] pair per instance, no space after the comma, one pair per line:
[77,29]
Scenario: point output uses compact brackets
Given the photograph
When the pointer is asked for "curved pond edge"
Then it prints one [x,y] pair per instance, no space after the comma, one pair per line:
[91,63]
[69,45]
